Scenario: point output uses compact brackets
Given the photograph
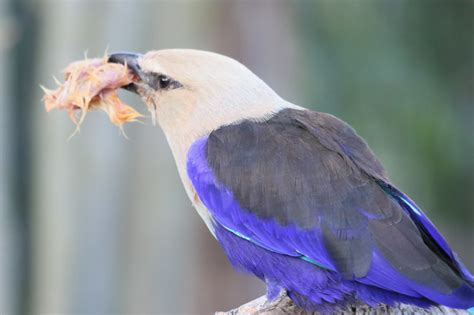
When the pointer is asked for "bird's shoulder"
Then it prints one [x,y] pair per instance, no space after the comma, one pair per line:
[295,134]
[295,165]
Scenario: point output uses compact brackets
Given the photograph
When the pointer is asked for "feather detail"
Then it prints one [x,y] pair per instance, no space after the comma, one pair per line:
[280,186]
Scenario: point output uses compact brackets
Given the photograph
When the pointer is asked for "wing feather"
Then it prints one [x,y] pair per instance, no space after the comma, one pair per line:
[304,184]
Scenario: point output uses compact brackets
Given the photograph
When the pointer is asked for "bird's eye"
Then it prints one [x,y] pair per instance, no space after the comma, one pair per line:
[163,81]
[158,81]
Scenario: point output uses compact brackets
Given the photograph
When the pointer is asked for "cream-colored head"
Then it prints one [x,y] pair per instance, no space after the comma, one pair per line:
[191,92]
[195,92]
[210,90]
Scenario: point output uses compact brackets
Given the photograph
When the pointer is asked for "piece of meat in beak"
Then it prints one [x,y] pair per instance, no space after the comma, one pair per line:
[131,60]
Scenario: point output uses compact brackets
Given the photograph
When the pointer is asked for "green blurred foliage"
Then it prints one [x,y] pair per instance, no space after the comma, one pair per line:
[401,72]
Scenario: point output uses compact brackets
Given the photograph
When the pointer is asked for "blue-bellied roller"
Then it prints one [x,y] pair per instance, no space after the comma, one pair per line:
[293,196]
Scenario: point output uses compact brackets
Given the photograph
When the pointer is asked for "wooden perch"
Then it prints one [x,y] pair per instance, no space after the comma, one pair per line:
[284,306]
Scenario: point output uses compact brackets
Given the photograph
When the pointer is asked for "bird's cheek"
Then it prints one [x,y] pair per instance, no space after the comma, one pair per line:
[151,101]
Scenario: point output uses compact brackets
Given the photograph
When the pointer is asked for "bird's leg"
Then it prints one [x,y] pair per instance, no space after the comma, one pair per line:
[273,290]
[276,295]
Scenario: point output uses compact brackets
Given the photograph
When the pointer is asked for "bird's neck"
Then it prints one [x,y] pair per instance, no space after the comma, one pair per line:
[182,129]
[186,125]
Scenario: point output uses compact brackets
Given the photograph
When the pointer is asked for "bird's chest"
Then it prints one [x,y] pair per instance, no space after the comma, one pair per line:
[202,211]
[181,159]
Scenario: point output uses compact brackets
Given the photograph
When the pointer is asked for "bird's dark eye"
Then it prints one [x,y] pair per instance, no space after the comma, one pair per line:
[163,81]
[158,81]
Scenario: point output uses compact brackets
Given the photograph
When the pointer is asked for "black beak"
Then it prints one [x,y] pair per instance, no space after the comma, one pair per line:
[131,60]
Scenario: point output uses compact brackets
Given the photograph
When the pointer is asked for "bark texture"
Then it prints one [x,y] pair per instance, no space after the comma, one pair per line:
[285,306]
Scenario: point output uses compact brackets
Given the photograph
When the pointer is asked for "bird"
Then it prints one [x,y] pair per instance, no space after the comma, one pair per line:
[295,197]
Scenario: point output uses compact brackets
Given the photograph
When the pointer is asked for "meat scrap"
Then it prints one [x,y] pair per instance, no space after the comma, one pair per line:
[91,84]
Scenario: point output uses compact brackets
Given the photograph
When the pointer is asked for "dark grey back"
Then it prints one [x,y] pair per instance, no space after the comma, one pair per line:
[312,170]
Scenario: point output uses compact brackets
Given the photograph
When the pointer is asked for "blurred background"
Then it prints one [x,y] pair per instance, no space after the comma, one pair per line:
[101,224]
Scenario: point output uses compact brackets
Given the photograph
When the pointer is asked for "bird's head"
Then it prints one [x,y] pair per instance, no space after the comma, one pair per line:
[192,92]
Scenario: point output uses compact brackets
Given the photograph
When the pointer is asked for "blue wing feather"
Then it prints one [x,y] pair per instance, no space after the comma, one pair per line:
[308,244]
[426,225]
[264,233]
